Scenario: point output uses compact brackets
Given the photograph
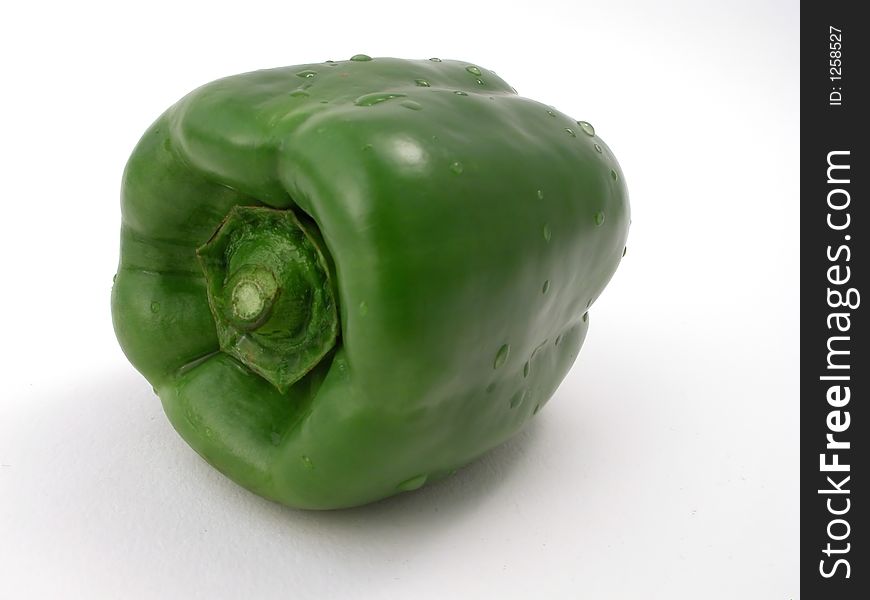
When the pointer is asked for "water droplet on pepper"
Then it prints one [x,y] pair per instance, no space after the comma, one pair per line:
[501,356]
[376,98]
[413,483]
[587,128]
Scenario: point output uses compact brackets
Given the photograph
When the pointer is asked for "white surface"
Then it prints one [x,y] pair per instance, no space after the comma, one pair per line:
[665,467]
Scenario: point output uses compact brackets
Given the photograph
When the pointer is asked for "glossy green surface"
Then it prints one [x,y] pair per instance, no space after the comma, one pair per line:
[462,231]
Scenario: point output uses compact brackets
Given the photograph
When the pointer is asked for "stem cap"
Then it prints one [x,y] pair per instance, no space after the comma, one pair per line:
[270,291]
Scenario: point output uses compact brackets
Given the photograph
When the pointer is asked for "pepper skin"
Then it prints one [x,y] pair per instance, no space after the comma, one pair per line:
[349,278]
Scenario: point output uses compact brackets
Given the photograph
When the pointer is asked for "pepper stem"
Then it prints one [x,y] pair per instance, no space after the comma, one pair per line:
[252,293]
[248,300]
[269,289]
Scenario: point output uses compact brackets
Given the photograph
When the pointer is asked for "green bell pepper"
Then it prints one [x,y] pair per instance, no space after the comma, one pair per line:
[347,279]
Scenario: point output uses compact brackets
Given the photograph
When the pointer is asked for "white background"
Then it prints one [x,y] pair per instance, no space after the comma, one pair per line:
[666,466]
